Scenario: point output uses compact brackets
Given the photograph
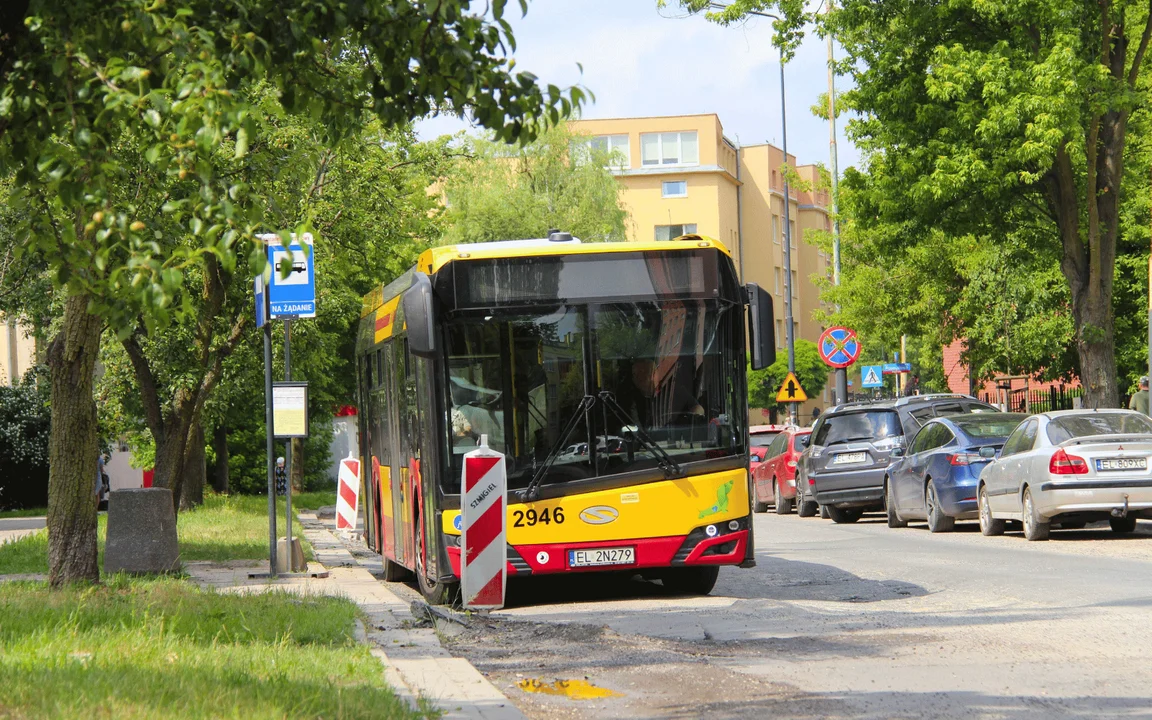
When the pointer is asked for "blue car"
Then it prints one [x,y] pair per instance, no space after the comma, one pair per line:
[936,478]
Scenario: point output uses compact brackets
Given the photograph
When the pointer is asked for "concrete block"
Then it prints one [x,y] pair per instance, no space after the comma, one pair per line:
[141,532]
[297,555]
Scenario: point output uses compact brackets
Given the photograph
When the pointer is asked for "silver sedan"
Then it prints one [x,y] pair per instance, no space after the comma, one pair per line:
[1070,468]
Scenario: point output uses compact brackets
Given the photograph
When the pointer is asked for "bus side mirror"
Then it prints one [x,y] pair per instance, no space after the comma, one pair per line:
[761,327]
[419,316]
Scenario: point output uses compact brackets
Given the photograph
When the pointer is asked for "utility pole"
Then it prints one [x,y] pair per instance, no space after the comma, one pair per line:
[842,373]
[787,242]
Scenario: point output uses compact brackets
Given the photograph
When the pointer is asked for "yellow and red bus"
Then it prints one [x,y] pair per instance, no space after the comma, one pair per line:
[611,376]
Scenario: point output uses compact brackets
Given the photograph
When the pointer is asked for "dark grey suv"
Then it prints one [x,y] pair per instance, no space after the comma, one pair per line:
[843,468]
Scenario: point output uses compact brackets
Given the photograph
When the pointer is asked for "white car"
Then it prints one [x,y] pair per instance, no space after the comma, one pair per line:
[1070,468]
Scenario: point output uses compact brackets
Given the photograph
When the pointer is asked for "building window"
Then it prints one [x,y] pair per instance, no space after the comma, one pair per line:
[667,232]
[612,148]
[675,148]
[795,330]
[776,229]
[775,183]
[792,232]
[795,289]
[675,189]
[779,333]
[777,279]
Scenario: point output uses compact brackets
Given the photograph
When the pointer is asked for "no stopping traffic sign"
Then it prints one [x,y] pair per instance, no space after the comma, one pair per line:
[839,347]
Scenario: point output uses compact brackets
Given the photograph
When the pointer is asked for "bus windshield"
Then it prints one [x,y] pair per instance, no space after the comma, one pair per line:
[595,386]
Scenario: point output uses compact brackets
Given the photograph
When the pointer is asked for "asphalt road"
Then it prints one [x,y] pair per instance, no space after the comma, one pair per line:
[845,621]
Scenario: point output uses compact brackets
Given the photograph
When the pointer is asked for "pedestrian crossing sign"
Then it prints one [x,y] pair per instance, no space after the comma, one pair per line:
[790,390]
[872,376]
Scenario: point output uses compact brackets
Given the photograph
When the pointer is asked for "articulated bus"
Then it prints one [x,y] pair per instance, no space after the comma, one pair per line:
[610,375]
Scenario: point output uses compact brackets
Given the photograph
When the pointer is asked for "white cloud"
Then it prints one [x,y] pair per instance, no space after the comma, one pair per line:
[639,63]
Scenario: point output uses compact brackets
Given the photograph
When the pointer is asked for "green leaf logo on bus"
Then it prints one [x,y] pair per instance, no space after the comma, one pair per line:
[721,505]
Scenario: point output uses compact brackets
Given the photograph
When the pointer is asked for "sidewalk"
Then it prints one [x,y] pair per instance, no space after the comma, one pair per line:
[14,528]
[415,664]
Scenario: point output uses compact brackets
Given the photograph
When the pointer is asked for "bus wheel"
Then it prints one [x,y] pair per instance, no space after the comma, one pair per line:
[691,580]
[436,593]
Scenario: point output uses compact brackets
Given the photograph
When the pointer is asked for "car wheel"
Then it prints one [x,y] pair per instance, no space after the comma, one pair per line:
[988,525]
[844,515]
[937,520]
[691,580]
[824,512]
[395,572]
[783,507]
[894,520]
[1034,527]
[804,506]
[757,506]
[1123,524]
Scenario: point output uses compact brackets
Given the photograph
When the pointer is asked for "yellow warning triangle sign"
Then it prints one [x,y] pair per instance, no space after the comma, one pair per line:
[790,390]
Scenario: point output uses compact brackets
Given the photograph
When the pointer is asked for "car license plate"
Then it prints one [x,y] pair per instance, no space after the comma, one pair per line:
[602,556]
[852,457]
[1120,464]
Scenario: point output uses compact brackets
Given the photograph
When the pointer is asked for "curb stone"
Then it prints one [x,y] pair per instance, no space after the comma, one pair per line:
[415,662]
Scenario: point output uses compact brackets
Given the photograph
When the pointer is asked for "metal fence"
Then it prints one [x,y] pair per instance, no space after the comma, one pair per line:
[1036,401]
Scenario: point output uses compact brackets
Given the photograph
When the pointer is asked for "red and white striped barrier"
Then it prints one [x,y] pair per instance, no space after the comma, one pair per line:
[484,507]
[347,493]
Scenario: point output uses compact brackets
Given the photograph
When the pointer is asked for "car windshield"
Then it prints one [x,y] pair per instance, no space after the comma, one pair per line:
[983,426]
[762,439]
[859,426]
[535,384]
[1067,427]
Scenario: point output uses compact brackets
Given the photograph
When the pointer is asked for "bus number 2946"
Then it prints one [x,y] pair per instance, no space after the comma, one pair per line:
[530,518]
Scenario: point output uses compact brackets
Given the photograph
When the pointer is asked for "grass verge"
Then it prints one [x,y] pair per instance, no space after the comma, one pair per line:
[36,512]
[137,648]
[225,527]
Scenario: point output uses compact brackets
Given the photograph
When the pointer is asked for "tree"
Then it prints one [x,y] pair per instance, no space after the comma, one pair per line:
[495,192]
[83,78]
[985,111]
[810,371]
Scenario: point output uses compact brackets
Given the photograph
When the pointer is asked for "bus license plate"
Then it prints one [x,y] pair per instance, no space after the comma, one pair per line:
[852,457]
[602,556]
[1107,464]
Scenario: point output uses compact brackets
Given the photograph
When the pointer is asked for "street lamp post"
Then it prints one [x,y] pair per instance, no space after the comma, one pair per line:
[841,373]
[787,217]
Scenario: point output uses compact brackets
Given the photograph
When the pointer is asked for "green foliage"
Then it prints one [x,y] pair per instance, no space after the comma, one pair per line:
[810,371]
[25,424]
[166,648]
[788,17]
[497,192]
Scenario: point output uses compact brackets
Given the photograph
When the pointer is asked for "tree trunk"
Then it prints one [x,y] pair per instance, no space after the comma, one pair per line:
[297,476]
[73,447]
[1092,310]
[220,446]
[170,449]
[195,470]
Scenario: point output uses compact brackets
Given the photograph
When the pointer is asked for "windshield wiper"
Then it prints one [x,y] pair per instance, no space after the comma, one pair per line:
[670,467]
[532,491]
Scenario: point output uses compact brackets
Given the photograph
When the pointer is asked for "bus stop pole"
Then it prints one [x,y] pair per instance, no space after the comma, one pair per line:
[269,432]
[288,448]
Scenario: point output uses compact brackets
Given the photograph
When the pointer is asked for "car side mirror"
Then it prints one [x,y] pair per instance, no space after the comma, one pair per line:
[419,316]
[754,458]
[898,452]
[987,452]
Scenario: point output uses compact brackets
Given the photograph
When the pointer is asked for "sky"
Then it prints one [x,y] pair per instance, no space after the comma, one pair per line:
[642,61]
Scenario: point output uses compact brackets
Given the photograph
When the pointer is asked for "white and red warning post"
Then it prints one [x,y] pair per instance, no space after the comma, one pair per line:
[484,508]
[347,493]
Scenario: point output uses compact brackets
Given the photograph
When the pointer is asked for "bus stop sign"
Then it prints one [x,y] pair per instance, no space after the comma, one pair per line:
[293,296]
[484,562]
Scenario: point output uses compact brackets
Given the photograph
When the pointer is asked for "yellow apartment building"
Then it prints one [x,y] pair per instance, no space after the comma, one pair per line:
[17,351]
[681,175]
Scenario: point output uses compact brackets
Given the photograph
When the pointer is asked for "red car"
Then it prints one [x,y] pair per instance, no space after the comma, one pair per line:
[759,438]
[775,477]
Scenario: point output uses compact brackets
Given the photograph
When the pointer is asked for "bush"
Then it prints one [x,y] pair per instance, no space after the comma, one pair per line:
[25,422]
